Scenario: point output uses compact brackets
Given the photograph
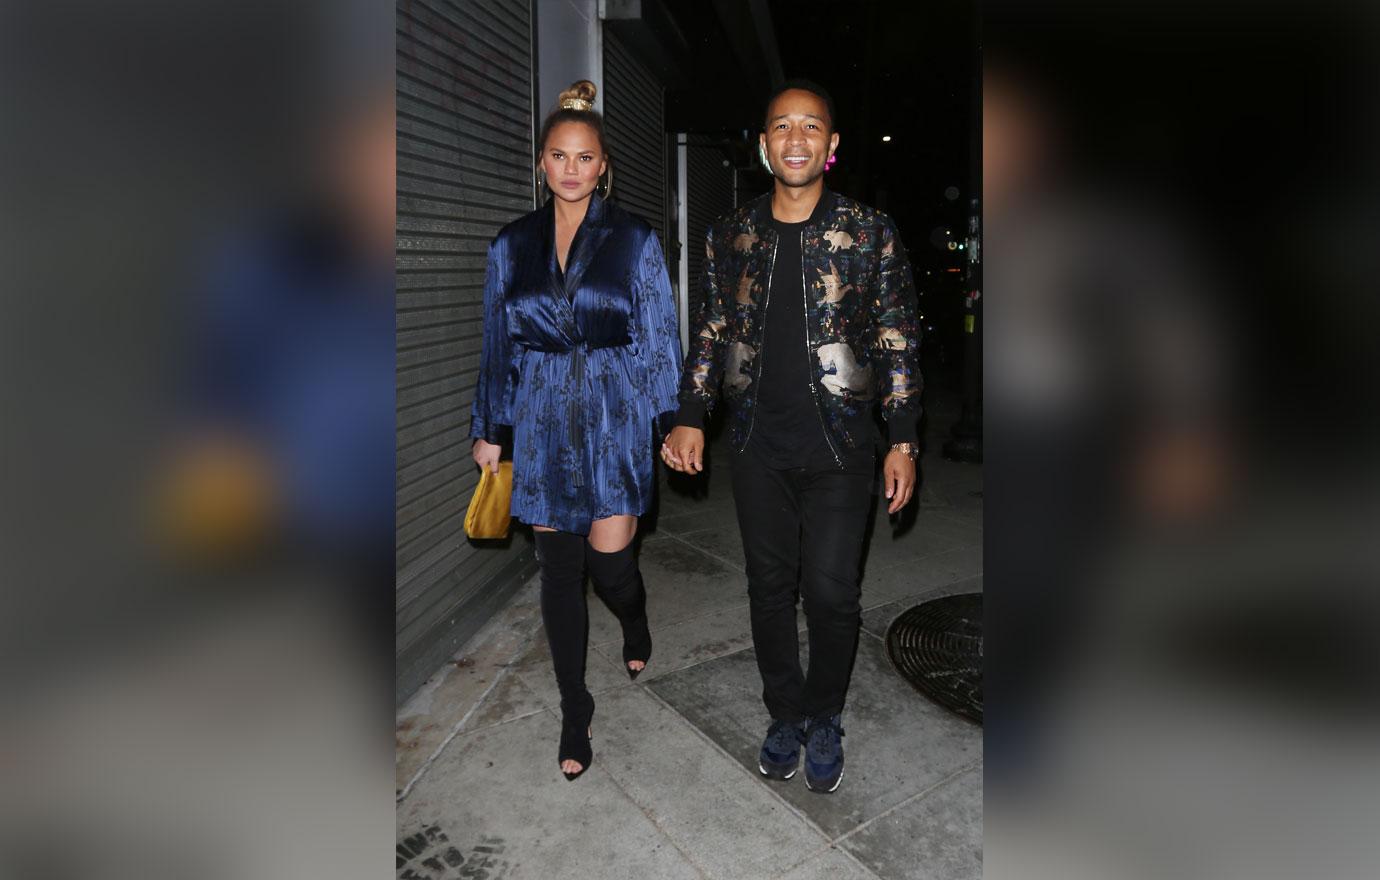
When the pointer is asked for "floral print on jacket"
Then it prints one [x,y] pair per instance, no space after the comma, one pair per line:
[863,333]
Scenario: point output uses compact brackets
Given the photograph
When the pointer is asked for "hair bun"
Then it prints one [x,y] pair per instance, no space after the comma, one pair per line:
[580,96]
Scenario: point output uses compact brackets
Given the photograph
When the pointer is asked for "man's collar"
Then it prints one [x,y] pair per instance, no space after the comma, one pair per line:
[762,210]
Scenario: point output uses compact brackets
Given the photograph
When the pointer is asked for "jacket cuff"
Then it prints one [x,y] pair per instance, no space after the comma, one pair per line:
[901,428]
[690,414]
[664,423]
[499,435]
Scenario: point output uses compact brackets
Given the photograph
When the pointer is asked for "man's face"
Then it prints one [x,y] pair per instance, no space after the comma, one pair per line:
[798,139]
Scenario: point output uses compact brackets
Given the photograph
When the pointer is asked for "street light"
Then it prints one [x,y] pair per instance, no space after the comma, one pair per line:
[886,138]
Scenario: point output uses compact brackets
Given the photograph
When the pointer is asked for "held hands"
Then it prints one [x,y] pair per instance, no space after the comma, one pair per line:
[683,450]
[486,454]
[899,474]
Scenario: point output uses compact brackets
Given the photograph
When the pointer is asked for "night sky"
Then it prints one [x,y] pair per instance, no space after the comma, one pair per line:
[904,69]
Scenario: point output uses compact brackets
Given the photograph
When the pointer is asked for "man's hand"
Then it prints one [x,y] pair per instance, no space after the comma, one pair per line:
[899,472]
[684,450]
[486,454]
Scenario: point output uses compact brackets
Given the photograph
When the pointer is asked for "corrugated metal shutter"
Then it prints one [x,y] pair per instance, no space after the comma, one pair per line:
[464,117]
[634,103]
[709,185]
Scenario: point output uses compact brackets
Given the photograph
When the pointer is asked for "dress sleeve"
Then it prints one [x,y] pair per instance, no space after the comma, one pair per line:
[658,333]
[487,417]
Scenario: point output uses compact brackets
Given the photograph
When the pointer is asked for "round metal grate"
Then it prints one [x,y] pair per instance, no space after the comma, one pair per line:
[937,647]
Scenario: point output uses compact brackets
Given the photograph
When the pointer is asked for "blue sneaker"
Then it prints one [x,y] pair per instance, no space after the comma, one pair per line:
[824,754]
[780,755]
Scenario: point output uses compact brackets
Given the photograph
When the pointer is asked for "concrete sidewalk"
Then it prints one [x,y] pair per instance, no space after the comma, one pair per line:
[674,789]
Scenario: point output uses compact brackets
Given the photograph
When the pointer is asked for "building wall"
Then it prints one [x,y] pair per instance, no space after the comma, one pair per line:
[569,48]
[475,78]
[633,112]
[464,119]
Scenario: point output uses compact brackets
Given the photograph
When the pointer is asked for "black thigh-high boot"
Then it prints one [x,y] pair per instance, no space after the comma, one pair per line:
[618,581]
[563,611]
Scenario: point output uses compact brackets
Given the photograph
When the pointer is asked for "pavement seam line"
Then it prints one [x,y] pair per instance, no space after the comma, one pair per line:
[733,565]
[455,731]
[948,583]
[518,717]
[790,807]
[677,621]
[657,676]
[648,814]
[848,854]
[924,557]
[910,800]
[544,707]
[824,851]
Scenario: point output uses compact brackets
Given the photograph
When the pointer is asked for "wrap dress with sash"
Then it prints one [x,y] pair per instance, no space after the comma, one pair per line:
[579,368]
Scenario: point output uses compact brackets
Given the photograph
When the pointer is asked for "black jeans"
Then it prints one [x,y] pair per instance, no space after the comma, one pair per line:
[803,526]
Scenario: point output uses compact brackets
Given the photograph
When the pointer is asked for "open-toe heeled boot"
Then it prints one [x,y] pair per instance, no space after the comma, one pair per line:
[575,736]
[618,582]
[637,645]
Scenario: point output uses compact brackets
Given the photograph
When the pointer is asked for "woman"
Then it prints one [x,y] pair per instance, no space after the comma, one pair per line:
[580,364]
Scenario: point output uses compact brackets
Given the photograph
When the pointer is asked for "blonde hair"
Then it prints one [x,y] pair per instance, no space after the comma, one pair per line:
[579,97]
[576,104]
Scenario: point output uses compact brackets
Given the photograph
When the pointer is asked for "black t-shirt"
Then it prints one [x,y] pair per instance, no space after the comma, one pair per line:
[788,431]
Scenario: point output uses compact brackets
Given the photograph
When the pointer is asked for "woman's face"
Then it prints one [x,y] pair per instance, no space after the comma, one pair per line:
[573,161]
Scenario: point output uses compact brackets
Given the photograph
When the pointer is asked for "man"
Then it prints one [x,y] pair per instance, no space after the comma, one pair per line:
[809,321]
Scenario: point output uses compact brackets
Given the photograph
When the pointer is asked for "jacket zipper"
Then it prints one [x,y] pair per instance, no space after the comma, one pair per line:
[814,392]
[763,344]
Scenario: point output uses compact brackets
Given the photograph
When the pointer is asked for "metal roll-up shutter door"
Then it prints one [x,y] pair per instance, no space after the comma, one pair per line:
[464,120]
[633,111]
[709,185]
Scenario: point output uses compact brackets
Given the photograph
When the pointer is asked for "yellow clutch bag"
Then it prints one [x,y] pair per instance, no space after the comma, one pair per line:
[487,517]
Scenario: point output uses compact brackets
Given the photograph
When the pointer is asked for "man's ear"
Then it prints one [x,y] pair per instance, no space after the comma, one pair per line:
[833,143]
[762,152]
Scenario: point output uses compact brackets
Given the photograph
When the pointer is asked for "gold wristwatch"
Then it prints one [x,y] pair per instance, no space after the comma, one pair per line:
[910,449]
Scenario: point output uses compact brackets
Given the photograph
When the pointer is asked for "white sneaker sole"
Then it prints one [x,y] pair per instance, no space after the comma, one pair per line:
[763,771]
[835,788]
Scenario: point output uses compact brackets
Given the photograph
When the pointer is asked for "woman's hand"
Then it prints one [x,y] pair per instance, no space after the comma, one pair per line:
[684,450]
[486,454]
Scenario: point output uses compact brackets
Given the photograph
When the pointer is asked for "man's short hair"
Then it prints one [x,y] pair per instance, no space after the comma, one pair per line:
[804,85]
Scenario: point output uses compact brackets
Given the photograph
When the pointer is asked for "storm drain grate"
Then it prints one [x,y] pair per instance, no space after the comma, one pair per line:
[937,647]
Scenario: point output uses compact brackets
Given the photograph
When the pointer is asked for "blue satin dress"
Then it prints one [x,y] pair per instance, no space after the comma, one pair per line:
[582,366]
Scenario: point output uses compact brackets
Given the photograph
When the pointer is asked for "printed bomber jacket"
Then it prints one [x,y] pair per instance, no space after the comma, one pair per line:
[860,318]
